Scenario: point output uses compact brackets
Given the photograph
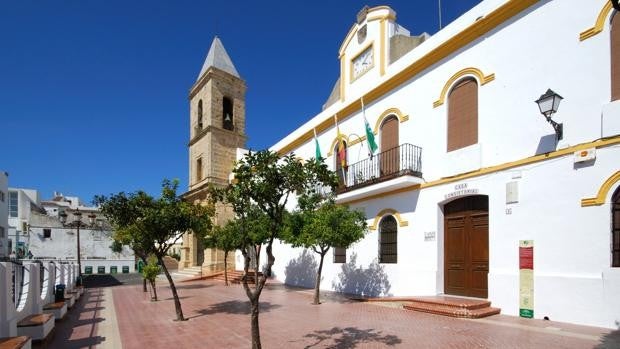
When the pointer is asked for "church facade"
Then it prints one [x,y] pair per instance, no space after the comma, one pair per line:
[497,172]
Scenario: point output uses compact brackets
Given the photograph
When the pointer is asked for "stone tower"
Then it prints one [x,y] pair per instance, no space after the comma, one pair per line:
[217,130]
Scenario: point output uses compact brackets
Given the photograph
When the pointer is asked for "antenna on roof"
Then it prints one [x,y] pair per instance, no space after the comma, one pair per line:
[439,5]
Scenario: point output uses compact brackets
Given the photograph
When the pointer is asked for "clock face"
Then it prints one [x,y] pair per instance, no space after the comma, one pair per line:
[363,62]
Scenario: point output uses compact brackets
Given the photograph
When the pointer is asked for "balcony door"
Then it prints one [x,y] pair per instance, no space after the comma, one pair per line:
[390,153]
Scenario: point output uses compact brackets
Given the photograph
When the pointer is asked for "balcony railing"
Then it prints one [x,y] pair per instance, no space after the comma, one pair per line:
[404,160]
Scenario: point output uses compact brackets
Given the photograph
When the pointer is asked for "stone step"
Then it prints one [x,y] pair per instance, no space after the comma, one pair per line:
[451,310]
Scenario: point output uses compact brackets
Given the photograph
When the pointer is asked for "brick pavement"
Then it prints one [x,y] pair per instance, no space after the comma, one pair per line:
[219,318]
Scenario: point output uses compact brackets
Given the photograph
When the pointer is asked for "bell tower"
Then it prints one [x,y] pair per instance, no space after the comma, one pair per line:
[217,130]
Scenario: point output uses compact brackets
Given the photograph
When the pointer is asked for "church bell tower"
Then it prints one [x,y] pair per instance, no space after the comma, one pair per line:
[217,130]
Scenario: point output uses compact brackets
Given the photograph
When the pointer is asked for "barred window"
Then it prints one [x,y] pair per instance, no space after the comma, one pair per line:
[12,204]
[47,233]
[615,232]
[388,240]
[340,255]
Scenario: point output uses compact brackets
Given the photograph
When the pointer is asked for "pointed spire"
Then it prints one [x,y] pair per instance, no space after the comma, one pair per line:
[218,58]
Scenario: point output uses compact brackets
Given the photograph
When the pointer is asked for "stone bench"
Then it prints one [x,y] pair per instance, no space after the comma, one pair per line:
[58,309]
[76,294]
[22,342]
[69,299]
[37,326]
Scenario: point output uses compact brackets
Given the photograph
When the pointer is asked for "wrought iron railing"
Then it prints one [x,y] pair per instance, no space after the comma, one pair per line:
[17,281]
[404,160]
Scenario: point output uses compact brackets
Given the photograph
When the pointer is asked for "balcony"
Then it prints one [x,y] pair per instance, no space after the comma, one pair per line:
[393,169]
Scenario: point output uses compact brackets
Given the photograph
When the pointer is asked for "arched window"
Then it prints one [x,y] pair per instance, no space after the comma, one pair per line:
[615,229]
[388,247]
[198,169]
[200,114]
[615,57]
[340,158]
[227,108]
[463,114]
[390,153]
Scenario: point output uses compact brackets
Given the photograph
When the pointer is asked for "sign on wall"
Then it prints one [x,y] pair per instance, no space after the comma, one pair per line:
[526,278]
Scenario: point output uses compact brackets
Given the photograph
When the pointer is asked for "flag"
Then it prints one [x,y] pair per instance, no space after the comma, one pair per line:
[342,153]
[370,136]
[317,149]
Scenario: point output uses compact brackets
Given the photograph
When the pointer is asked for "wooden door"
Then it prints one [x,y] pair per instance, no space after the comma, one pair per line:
[390,155]
[466,247]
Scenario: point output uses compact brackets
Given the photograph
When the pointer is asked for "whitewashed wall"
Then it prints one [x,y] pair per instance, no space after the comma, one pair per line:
[533,51]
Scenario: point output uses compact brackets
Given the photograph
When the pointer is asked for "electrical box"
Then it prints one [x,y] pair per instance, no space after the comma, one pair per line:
[512,192]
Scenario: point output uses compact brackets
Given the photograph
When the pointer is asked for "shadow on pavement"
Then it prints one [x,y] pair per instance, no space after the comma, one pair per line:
[610,340]
[107,280]
[234,307]
[192,286]
[350,337]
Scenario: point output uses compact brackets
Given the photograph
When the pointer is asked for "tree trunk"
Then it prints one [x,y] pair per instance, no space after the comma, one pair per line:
[154,298]
[255,329]
[144,285]
[226,268]
[177,302]
[317,284]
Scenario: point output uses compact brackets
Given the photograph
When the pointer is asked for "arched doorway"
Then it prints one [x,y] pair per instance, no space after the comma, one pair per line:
[466,246]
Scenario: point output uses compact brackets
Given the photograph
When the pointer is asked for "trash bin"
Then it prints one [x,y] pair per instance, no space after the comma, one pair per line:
[113,270]
[125,269]
[59,295]
[140,266]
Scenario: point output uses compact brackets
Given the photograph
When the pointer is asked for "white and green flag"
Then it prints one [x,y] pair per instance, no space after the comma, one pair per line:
[370,136]
[317,150]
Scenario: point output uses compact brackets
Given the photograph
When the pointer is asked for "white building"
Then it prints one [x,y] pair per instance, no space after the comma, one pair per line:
[468,170]
[44,236]
[4,215]
[21,205]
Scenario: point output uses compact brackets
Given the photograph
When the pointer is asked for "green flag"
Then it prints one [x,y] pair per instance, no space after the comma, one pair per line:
[317,151]
[370,137]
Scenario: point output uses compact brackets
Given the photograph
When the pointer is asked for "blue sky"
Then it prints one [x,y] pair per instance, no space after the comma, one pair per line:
[93,94]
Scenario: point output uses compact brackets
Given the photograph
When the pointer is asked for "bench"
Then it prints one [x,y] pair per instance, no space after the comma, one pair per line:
[76,294]
[58,309]
[37,326]
[69,299]
[22,342]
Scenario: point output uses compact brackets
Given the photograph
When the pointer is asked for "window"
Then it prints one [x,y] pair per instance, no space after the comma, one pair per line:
[615,230]
[200,114]
[463,115]
[12,204]
[340,158]
[1,232]
[390,157]
[227,107]
[340,255]
[615,57]
[47,233]
[1,196]
[198,169]
[388,240]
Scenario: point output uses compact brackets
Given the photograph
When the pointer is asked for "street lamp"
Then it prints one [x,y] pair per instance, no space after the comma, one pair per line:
[77,223]
[548,104]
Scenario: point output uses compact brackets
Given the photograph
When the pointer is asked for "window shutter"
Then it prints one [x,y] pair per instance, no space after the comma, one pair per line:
[463,115]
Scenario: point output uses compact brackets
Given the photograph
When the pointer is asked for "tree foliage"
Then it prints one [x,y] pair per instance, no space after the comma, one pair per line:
[153,225]
[227,238]
[263,184]
[322,228]
[150,272]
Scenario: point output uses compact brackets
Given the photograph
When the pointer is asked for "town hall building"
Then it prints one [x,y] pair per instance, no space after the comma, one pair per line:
[497,173]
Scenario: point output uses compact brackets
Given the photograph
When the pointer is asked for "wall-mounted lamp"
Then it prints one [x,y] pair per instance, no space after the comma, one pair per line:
[548,104]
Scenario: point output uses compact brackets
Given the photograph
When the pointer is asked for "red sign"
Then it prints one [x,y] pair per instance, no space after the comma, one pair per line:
[526,258]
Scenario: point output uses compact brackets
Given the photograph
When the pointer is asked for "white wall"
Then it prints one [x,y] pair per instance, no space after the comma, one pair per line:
[535,50]
[4,214]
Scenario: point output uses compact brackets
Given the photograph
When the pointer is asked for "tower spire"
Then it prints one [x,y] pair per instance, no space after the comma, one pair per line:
[218,58]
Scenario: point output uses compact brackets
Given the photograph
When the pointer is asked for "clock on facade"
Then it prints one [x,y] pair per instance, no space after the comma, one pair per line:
[363,62]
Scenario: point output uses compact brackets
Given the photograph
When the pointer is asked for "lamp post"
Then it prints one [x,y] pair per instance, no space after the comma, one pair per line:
[77,223]
[548,104]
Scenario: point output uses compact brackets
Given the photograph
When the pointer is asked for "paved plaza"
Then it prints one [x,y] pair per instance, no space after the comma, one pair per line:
[123,316]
